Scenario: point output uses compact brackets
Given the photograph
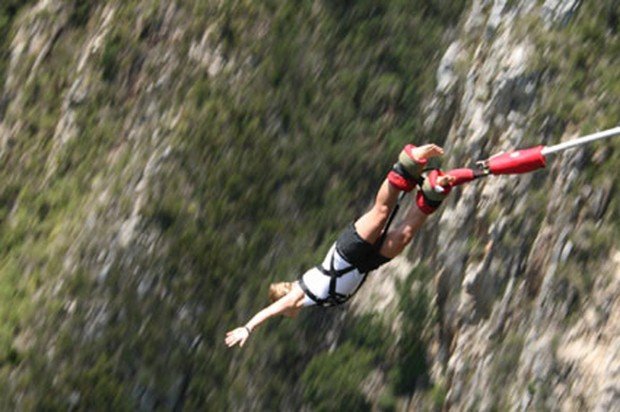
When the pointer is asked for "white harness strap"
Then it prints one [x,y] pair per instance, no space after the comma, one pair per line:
[333,282]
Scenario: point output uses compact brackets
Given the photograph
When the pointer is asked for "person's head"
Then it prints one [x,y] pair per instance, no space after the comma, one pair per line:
[279,290]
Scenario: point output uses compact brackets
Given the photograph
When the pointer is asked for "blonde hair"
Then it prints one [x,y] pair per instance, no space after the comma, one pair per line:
[279,290]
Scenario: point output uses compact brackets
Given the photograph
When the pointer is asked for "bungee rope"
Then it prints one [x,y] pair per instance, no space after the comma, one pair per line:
[513,162]
[524,160]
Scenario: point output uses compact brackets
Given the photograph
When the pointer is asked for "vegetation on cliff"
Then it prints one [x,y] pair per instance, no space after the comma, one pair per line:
[161,163]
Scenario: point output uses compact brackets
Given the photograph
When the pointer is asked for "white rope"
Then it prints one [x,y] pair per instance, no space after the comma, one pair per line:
[581,141]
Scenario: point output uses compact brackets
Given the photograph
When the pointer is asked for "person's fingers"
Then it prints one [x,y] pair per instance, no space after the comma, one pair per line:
[233,332]
[445,180]
[236,336]
[231,338]
[232,342]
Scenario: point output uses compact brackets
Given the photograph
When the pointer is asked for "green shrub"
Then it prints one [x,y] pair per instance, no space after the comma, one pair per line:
[110,58]
[331,381]
[411,365]
[9,9]
[505,363]
[268,160]
[437,395]
[387,402]
[81,11]
[367,332]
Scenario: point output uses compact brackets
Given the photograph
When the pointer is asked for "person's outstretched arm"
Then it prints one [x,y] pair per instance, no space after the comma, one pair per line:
[288,304]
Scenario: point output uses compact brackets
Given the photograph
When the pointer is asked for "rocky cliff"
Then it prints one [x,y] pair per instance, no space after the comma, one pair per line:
[527,296]
[161,162]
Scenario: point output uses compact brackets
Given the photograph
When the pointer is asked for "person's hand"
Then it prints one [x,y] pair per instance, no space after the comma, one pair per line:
[426,151]
[237,336]
[445,180]
[438,182]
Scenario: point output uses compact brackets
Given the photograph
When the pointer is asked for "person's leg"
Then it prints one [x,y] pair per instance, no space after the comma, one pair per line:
[371,224]
[412,158]
[399,237]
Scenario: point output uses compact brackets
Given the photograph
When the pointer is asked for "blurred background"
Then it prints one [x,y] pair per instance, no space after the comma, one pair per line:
[162,162]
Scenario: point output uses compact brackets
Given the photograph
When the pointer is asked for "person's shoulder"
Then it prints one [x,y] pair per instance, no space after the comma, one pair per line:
[297,294]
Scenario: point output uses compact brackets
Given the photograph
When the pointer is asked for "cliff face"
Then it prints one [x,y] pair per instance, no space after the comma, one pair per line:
[527,303]
[527,318]
[161,163]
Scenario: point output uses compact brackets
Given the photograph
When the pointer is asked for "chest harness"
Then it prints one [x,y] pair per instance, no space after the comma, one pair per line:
[333,297]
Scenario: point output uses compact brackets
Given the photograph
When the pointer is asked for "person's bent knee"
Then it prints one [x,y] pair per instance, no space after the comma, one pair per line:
[396,241]
[406,235]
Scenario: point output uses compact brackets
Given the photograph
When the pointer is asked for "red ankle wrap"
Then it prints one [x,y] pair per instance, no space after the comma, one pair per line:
[428,197]
[400,182]
[424,204]
[405,174]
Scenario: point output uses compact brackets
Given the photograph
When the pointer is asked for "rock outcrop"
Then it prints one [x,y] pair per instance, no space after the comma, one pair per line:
[526,324]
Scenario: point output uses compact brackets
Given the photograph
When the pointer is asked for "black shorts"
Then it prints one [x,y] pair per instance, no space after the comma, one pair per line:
[358,252]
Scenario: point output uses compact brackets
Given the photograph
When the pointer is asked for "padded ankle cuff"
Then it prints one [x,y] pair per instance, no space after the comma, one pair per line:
[428,198]
[426,205]
[407,172]
[400,182]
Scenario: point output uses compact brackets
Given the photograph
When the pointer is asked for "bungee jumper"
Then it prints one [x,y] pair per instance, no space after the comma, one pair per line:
[369,242]
[362,246]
